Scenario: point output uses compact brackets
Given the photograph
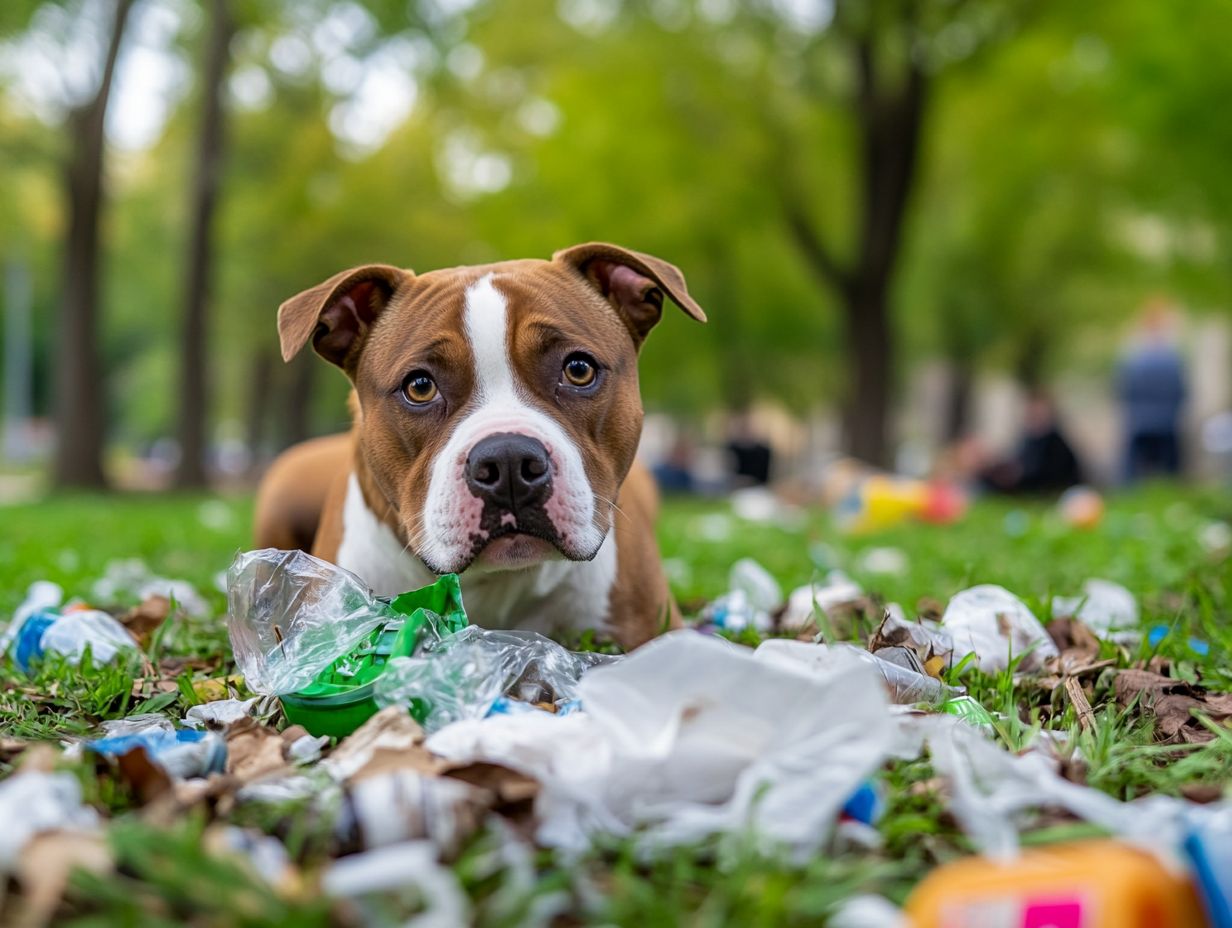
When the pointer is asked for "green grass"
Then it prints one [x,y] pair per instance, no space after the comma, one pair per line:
[1150,541]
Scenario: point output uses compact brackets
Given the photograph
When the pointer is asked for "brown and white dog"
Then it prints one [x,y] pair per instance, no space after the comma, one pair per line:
[496,421]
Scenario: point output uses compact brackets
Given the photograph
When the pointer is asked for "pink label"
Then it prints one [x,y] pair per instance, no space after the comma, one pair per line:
[1065,912]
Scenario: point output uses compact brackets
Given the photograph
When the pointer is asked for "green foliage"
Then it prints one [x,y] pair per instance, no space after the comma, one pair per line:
[59,699]
[1071,165]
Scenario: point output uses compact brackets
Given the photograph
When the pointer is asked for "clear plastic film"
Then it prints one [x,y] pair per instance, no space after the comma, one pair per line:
[290,615]
[461,676]
[902,685]
[926,641]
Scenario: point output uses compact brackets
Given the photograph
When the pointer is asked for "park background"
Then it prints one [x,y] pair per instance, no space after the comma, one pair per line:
[904,218]
[898,215]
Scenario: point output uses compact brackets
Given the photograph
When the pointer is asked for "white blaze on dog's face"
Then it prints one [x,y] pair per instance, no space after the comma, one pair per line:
[498,406]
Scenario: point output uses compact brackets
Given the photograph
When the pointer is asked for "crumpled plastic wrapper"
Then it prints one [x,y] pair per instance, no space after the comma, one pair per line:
[220,713]
[806,601]
[992,789]
[691,736]
[926,639]
[369,879]
[72,633]
[132,580]
[752,599]
[1107,608]
[461,676]
[996,626]
[47,632]
[290,615]
[260,853]
[402,805]
[902,685]
[33,802]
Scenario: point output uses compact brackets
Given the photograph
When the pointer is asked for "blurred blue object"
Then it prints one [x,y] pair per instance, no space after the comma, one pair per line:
[1159,632]
[29,643]
[182,753]
[1209,849]
[864,805]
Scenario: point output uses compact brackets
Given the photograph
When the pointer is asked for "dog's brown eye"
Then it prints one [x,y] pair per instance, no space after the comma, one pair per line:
[579,370]
[420,388]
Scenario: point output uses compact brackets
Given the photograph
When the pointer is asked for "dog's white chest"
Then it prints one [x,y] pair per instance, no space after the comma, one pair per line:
[553,598]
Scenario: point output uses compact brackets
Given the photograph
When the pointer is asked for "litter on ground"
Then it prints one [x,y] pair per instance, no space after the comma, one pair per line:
[409,731]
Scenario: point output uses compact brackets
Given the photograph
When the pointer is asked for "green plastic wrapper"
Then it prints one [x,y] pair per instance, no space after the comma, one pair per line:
[341,698]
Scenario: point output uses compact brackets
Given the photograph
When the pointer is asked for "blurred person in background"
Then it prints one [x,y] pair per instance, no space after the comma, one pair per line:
[1044,462]
[674,473]
[749,453]
[1151,388]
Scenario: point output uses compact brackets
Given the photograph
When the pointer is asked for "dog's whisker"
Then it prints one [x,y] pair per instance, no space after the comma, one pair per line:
[416,540]
[612,503]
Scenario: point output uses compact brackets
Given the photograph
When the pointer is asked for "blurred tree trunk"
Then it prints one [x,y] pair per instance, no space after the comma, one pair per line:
[260,383]
[1031,357]
[958,406]
[889,110]
[80,396]
[297,400]
[194,388]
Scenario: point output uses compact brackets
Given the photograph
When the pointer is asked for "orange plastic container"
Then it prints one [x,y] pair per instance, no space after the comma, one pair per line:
[1086,884]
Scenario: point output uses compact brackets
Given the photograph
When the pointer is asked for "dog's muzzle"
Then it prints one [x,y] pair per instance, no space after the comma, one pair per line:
[512,475]
[509,472]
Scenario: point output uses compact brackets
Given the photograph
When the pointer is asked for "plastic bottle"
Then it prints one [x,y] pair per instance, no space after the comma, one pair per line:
[1085,884]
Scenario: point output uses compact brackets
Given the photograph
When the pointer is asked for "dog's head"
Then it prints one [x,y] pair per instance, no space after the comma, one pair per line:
[497,407]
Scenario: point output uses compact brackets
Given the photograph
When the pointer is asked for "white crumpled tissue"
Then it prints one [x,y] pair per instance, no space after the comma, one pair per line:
[692,736]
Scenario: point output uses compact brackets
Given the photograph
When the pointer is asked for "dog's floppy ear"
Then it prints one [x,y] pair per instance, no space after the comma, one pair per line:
[634,283]
[338,313]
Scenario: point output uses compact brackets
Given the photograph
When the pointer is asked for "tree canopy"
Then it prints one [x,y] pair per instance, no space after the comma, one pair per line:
[1072,160]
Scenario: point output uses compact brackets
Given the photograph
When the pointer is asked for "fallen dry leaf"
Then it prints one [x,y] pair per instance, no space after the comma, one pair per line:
[1202,792]
[1082,706]
[508,786]
[933,649]
[384,760]
[254,750]
[39,758]
[191,792]
[141,621]
[390,729]
[1159,664]
[147,778]
[217,688]
[43,871]
[1172,703]
[1071,635]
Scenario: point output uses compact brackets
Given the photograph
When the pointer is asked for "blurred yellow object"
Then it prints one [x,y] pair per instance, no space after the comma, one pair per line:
[217,687]
[888,501]
[882,501]
[1086,884]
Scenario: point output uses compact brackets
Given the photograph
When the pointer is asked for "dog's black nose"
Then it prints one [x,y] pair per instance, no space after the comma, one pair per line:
[511,471]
